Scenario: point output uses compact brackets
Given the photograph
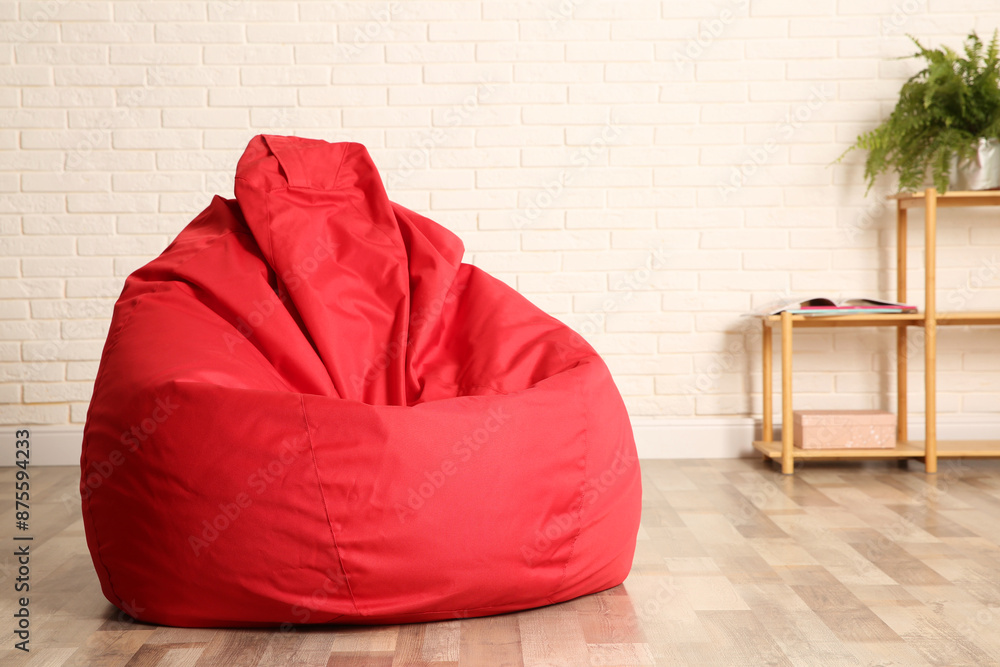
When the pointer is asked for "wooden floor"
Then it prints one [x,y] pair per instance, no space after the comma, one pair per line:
[842,564]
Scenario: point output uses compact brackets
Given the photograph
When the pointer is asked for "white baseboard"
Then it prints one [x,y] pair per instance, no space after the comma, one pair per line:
[694,437]
[655,438]
[49,445]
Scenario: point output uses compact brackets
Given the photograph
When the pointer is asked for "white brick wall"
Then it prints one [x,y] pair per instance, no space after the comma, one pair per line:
[646,171]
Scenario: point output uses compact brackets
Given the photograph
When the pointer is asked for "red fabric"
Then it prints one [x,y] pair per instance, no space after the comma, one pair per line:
[309,410]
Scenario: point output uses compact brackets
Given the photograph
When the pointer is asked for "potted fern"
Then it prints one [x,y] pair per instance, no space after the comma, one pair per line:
[946,122]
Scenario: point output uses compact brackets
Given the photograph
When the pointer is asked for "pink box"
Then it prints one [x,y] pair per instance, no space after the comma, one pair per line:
[844,429]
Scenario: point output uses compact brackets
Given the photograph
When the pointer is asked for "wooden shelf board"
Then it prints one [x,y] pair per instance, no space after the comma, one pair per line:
[969,318]
[882,319]
[903,450]
[946,449]
[909,200]
[965,448]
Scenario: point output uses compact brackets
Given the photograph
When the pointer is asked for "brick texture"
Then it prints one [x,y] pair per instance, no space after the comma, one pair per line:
[646,171]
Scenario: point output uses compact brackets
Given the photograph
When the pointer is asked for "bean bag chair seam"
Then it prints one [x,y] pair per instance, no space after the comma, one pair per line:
[326,508]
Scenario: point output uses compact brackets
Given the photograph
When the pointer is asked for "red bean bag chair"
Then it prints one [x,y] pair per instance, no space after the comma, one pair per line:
[309,410]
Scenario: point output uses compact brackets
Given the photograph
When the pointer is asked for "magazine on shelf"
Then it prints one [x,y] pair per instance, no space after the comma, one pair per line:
[822,305]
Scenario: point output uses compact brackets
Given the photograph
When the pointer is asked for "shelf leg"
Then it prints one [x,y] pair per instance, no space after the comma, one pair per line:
[930,331]
[768,421]
[787,427]
[901,349]
[901,368]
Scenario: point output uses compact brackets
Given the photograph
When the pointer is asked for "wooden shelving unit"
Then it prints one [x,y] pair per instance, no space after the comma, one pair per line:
[930,449]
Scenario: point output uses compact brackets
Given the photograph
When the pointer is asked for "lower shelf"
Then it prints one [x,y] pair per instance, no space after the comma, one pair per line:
[903,450]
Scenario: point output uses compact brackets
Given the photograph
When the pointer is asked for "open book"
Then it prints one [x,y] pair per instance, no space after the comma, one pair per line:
[822,305]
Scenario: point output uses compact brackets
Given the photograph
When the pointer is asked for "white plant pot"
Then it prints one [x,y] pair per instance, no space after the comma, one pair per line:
[982,172]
